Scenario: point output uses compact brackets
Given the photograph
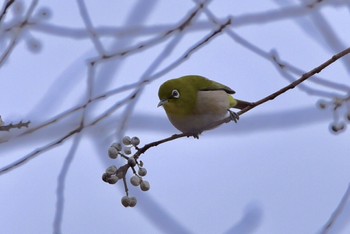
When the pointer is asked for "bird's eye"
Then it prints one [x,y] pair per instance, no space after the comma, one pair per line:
[175,94]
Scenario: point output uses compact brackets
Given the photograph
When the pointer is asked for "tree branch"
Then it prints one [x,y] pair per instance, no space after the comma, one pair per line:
[294,84]
[6,7]
[10,126]
[270,97]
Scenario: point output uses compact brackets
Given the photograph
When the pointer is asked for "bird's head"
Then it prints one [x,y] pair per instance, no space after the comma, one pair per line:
[178,96]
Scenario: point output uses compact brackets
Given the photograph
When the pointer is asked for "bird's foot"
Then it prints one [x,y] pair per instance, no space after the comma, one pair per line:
[193,134]
[233,115]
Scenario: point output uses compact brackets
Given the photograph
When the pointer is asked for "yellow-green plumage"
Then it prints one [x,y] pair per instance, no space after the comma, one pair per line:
[194,102]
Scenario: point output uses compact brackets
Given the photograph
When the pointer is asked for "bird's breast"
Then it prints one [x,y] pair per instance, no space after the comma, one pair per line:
[212,102]
[211,106]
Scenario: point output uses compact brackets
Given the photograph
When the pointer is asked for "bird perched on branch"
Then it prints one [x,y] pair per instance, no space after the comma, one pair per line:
[194,103]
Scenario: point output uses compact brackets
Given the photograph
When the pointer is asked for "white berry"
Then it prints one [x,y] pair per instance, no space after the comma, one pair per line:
[111,170]
[125,201]
[135,180]
[113,152]
[127,150]
[135,141]
[145,186]
[132,201]
[142,171]
[118,146]
[126,140]
[113,179]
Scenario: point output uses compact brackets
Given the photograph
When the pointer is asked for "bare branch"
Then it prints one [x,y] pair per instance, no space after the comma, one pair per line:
[38,151]
[21,124]
[61,181]
[185,23]
[254,104]
[282,65]
[90,28]
[16,36]
[6,7]
[299,81]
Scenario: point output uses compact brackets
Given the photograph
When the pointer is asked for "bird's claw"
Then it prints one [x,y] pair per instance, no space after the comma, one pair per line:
[192,134]
[234,116]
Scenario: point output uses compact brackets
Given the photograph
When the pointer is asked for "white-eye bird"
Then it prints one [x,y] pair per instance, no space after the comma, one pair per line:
[192,103]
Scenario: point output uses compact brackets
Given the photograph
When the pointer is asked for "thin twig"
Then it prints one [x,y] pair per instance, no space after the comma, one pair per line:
[282,65]
[6,7]
[61,182]
[155,143]
[73,110]
[38,151]
[21,124]
[304,77]
[16,36]
[270,97]
[154,41]
[90,29]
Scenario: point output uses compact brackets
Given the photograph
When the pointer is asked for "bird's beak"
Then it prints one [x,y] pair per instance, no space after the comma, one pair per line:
[162,102]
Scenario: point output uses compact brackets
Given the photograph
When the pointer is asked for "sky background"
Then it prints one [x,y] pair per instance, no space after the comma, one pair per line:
[278,170]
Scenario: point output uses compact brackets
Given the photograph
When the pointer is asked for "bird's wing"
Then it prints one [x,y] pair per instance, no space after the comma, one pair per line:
[212,86]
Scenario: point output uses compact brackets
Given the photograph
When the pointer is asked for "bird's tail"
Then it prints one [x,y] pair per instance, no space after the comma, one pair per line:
[242,104]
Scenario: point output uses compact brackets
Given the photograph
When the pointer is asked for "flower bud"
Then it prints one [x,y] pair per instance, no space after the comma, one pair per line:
[322,104]
[337,127]
[34,45]
[44,13]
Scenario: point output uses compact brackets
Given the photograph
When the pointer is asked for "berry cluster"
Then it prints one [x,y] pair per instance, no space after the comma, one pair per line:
[338,106]
[113,174]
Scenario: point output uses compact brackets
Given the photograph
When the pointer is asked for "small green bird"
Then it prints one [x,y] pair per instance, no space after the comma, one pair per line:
[192,103]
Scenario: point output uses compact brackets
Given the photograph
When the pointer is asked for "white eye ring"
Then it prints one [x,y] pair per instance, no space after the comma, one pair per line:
[175,94]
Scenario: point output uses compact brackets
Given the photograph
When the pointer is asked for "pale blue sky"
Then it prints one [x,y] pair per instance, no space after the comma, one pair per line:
[279,170]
